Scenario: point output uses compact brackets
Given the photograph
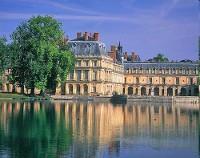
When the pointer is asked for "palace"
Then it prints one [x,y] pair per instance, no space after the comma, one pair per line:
[99,72]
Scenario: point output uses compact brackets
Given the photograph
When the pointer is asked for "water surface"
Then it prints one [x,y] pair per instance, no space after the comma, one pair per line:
[98,130]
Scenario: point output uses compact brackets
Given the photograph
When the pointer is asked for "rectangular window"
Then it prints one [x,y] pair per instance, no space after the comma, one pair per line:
[150,80]
[163,80]
[95,75]
[137,80]
[86,75]
[71,75]
[177,80]
[78,75]
[95,63]
[78,63]
[94,89]
[86,63]
[191,81]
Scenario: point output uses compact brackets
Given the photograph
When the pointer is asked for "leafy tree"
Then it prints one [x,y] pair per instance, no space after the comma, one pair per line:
[3,56]
[36,44]
[160,58]
[63,63]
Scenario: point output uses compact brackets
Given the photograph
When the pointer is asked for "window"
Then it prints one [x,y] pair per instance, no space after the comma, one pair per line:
[95,63]
[191,81]
[94,89]
[78,75]
[71,75]
[95,75]
[86,74]
[177,80]
[137,80]
[174,71]
[87,63]
[163,80]
[150,80]
[78,63]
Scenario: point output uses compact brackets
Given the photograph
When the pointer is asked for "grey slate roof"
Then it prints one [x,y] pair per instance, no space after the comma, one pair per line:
[88,48]
[170,65]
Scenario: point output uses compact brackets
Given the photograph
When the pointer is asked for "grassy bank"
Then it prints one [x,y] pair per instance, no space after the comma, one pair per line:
[22,97]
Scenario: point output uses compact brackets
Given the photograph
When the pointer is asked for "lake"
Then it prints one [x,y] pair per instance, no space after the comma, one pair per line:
[64,129]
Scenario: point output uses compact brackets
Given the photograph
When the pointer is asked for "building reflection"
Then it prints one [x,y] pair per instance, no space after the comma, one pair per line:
[102,127]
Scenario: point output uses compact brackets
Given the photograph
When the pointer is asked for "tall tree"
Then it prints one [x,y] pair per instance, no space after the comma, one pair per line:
[36,42]
[3,56]
[160,58]
[63,62]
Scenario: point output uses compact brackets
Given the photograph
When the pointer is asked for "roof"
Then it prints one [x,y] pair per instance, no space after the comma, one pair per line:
[88,48]
[147,65]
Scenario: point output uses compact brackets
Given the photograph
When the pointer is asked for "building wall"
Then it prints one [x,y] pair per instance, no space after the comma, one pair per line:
[95,76]
[162,82]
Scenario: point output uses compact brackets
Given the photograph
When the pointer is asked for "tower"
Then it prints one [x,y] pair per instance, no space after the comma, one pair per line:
[119,54]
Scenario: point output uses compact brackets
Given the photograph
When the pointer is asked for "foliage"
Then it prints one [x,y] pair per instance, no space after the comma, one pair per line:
[35,46]
[63,63]
[159,58]
[3,56]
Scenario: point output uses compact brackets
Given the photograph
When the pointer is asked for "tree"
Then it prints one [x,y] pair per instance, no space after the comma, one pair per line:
[160,58]
[63,63]
[36,44]
[3,56]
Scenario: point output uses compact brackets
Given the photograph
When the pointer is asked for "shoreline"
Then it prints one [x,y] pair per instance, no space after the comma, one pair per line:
[159,99]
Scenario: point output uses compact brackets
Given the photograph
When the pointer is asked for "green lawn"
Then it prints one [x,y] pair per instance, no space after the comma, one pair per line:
[20,96]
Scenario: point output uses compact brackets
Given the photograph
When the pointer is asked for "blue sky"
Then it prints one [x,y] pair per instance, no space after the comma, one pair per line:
[147,27]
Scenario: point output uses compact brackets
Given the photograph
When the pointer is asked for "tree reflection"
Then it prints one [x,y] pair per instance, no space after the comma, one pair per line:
[33,134]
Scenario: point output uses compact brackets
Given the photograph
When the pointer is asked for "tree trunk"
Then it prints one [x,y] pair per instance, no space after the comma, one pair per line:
[32,91]
[22,89]
[41,92]
[13,89]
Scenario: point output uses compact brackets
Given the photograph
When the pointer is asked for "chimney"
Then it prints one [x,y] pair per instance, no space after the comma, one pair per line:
[125,55]
[113,48]
[79,35]
[66,39]
[96,36]
[86,36]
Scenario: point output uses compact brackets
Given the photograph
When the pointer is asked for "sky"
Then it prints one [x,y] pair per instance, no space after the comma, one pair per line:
[147,27]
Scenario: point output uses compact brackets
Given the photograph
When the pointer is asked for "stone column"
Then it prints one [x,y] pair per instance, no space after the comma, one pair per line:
[134,90]
[152,91]
[147,90]
[4,87]
[82,75]
[81,89]
[66,88]
[179,90]
[173,91]
[74,88]
[75,75]
[139,91]
[165,90]
[160,91]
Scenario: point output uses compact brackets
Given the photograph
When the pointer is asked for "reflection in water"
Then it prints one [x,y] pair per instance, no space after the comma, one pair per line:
[86,130]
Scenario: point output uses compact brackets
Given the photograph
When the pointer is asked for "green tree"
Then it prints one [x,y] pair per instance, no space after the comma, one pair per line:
[63,63]
[3,56]
[36,44]
[160,58]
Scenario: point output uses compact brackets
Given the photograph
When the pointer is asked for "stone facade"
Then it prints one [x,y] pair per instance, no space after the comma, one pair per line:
[95,72]
[161,79]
